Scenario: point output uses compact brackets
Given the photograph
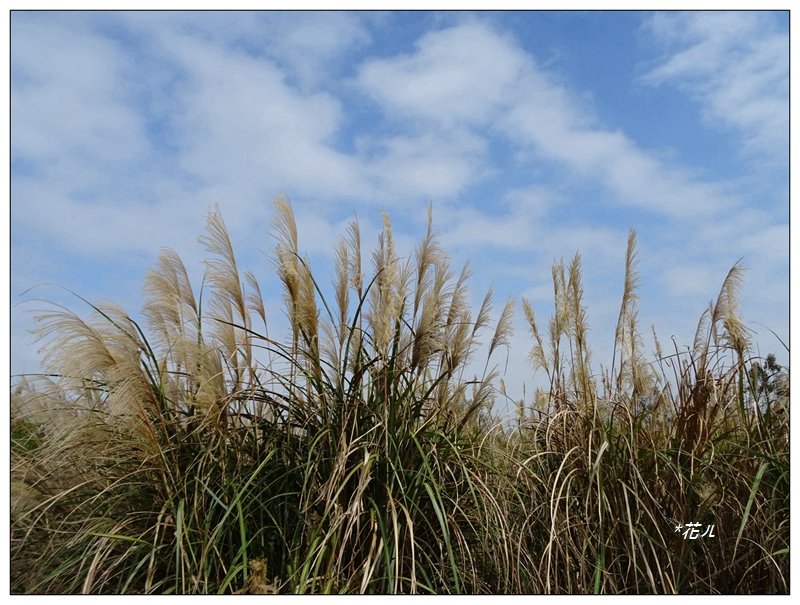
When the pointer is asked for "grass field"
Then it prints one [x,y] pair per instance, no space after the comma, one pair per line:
[198,455]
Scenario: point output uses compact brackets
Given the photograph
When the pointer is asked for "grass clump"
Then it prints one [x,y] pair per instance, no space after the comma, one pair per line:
[199,455]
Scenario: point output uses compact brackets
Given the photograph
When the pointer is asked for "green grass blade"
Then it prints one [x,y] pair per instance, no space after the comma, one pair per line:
[750,500]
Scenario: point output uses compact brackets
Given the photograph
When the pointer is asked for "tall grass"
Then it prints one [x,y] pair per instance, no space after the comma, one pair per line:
[361,454]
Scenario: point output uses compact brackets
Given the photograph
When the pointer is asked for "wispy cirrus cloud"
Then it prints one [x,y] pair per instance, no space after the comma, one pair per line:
[472,77]
[735,65]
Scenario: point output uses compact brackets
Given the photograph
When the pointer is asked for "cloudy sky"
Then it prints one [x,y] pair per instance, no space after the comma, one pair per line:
[532,134]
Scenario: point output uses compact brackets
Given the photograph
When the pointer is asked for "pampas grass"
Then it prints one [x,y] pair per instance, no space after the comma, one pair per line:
[197,454]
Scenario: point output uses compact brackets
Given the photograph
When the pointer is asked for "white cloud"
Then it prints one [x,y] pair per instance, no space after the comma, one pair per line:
[471,77]
[102,229]
[554,123]
[736,65]
[424,166]
[68,104]
[521,221]
[513,223]
[768,244]
[243,123]
[310,47]
[456,76]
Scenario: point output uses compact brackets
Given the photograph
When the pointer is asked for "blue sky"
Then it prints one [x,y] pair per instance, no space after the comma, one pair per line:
[532,134]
